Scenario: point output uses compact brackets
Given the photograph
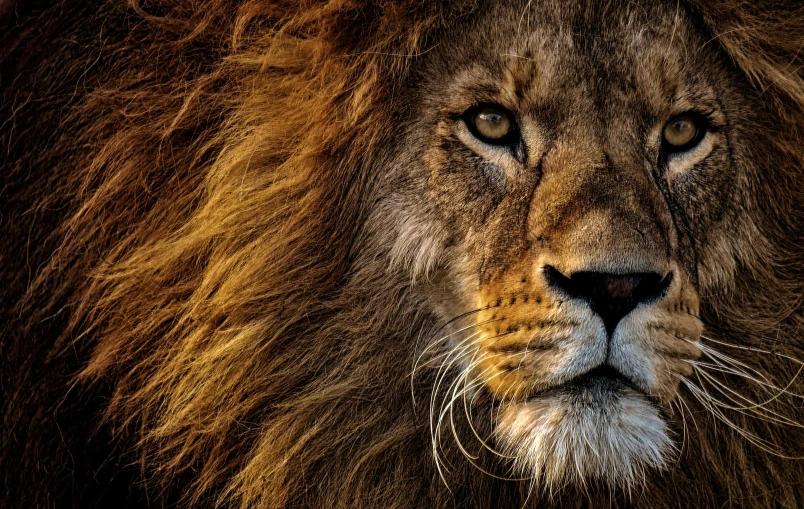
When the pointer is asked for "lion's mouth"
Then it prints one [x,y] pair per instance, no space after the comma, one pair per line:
[601,376]
[601,379]
[597,425]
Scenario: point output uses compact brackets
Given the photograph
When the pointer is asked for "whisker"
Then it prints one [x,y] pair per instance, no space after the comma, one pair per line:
[680,404]
[729,365]
[471,458]
[769,387]
[455,353]
[720,357]
[676,404]
[454,387]
[761,337]
[738,402]
[451,321]
[468,412]
[704,398]
[442,339]
[683,403]
[753,406]
[753,349]
[449,408]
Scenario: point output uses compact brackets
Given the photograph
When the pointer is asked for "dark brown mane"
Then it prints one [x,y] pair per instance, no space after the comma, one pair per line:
[183,195]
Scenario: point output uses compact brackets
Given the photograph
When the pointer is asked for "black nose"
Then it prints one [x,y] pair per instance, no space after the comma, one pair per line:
[612,296]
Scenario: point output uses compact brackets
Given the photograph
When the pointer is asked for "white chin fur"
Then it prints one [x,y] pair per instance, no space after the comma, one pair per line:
[576,435]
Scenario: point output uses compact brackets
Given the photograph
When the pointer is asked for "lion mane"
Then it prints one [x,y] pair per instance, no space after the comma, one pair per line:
[185,319]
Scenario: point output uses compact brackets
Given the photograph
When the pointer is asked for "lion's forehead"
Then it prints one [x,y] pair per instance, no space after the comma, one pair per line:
[564,65]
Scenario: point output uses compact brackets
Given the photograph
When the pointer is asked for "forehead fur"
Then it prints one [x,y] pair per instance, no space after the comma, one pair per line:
[535,56]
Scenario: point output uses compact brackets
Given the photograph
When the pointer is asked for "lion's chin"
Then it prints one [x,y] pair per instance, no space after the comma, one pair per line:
[588,430]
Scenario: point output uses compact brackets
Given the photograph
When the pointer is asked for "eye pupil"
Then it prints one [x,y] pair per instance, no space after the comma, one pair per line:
[494,118]
[491,124]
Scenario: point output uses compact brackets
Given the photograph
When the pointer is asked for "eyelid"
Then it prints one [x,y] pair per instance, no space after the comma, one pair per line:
[711,119]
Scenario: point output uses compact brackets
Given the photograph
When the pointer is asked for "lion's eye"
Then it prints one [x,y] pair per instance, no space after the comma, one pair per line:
[491,124]
[683,132]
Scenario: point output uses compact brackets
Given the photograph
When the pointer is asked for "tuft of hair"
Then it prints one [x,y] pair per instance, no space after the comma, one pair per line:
[564,439]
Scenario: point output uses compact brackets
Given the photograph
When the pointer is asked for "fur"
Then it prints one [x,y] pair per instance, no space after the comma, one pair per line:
[197,310]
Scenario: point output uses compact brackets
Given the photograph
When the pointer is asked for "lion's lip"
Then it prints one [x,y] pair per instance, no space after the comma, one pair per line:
[601,374]
[602,377]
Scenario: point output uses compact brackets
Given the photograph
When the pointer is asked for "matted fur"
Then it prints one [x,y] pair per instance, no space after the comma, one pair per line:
[188,311]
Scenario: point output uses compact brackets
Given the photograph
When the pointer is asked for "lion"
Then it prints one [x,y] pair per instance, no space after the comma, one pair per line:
[403,253]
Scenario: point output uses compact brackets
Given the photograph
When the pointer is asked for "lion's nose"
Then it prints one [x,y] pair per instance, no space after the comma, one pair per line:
[612,296]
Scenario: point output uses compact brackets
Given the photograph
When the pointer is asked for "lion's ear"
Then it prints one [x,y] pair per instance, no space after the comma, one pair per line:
[765,38]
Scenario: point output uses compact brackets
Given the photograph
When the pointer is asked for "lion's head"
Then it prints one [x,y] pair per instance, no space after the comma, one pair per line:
[406,254]
[571,190]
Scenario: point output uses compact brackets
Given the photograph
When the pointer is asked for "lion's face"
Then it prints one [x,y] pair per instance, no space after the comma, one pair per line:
[579,180]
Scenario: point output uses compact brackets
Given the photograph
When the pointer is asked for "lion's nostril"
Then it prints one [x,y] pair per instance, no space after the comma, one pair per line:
[612,296]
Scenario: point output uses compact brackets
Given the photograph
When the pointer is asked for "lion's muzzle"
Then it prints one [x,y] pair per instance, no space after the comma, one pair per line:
[582,363]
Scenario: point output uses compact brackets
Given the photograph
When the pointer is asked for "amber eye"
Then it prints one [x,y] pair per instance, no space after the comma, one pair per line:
[491,124]
[683,132]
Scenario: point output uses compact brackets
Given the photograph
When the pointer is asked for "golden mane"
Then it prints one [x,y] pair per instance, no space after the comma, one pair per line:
[186,185]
